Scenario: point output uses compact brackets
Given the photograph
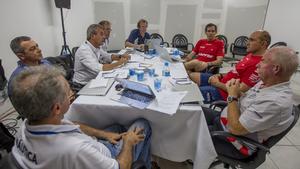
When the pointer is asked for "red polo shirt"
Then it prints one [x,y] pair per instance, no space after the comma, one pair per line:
[245,70]
[207,51]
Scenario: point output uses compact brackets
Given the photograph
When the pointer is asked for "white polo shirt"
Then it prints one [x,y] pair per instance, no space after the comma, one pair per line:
[60,147]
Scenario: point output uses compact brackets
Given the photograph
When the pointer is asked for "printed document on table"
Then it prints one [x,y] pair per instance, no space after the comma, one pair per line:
[167,101]
[98,83]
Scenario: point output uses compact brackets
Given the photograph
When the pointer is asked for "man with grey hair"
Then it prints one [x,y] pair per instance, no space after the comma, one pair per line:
[29,54]
[264,111]
[46,140]
[108,57]
[88,58]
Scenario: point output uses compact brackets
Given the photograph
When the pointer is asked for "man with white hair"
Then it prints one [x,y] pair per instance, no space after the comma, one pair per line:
[264,111]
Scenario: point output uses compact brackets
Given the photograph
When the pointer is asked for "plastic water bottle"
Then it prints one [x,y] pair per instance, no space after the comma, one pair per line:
[166,69]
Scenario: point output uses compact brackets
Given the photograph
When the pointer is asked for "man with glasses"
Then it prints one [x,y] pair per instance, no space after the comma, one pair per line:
[107,57]
[42,96]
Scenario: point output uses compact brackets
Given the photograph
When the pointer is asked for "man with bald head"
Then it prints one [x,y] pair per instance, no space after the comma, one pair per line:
[213,87]
[263,111]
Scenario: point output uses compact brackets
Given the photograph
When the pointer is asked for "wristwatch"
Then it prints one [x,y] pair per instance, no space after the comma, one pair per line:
[231,99]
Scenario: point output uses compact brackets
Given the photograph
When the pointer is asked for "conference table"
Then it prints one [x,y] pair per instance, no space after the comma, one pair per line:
[177,137]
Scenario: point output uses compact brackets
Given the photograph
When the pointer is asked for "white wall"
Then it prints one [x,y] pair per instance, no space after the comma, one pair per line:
[40,19]
[284,25]
[19,18]
[243,17]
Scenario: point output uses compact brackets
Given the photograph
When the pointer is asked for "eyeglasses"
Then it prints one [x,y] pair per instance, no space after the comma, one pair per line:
[71,96]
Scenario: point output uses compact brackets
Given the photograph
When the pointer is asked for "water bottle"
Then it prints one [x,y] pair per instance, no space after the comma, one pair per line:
[166,69]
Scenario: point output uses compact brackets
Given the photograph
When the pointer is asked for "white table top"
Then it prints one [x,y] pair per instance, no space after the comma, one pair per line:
[177,137]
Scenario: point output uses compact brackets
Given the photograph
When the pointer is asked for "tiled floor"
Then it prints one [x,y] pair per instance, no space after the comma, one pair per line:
[284,155]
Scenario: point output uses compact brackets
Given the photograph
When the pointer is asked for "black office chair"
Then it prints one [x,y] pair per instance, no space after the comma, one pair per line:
[239,47]
[74,50]
[158,36]
[65,62]
[3,84]
[181,42]
[8,161]
[278,44]
[259,156]
[224,39]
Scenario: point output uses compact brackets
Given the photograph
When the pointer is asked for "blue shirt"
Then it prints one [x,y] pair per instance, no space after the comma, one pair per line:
[136,38]
[20,68]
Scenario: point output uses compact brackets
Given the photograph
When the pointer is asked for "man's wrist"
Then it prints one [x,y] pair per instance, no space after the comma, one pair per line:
[232,98]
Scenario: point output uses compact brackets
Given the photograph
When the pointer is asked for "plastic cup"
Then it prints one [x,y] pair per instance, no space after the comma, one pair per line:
[140,75]
[151,72]
[157,84]
[131,71]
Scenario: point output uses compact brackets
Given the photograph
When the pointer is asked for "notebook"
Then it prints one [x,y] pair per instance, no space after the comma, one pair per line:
[96,91]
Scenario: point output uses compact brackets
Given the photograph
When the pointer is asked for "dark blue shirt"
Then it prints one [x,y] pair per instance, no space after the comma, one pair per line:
[21,67]
[136,38]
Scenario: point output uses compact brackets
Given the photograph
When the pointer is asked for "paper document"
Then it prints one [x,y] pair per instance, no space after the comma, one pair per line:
[120,73]
[167,101]
[136,58]
[98,83]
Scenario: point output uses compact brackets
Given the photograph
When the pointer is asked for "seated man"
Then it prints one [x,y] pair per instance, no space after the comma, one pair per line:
[209,52]
[213,87]
[89,60]
[138,36]
[264,111]
[107,57]
[46,140]
[29,53]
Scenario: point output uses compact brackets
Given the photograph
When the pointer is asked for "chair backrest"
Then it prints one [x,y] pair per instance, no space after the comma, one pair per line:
[278,44]
[65,62]
[156,36]
[239,47]
[224,39]
[180,41]
[9,162]
[274,139]
[3,80]
[74,50]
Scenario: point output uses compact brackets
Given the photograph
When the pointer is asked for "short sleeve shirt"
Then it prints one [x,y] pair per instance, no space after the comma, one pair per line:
[61,146]
[266,111]
[207,51]
[245,70]
[136,38]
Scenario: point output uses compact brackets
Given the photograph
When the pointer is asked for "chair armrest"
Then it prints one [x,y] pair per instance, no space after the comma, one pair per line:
[191,45]
[231,47]
[219,103]
[139,164]
[240,138]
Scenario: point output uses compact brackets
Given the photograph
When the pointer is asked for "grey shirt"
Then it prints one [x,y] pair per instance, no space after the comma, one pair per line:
[266,111]
[88,63]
